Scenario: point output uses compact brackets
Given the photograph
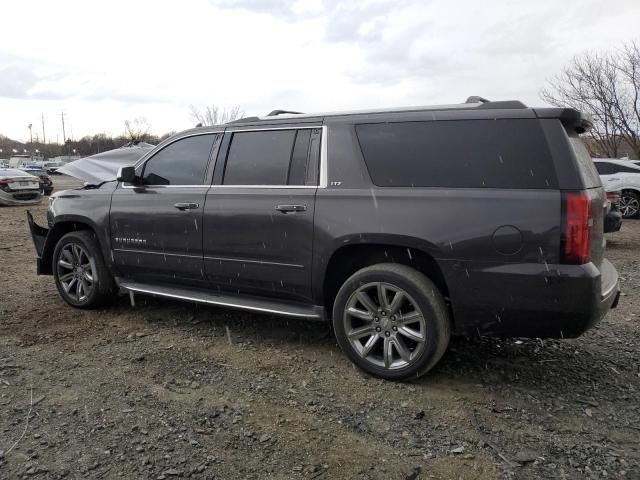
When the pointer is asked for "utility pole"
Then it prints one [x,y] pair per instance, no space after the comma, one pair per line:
[44,135]
[64,135]
[31,133]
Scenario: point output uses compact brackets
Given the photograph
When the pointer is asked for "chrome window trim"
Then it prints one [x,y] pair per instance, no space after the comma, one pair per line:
[324,172]
[267,128]
[128,185]
[275,187]
[322,183]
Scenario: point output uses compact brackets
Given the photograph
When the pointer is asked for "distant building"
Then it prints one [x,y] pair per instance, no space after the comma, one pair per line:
[21,159]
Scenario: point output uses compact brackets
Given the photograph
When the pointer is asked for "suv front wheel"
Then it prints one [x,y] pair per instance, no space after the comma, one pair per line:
[79,270]
[391,321]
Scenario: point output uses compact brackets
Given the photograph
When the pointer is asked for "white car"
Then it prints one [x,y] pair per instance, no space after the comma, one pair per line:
[622,175]
[18,187]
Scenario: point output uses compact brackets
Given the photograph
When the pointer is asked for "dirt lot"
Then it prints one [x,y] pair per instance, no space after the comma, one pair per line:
[160,391]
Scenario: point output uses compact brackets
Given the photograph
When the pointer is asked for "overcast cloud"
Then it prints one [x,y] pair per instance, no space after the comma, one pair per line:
[104,62]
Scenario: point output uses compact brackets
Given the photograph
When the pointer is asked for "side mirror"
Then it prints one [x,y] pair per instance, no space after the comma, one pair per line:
[126,175]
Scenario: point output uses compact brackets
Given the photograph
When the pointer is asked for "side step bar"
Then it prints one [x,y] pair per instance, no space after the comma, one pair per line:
[240,302]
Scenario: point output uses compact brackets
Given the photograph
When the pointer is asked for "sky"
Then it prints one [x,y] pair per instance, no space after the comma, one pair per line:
[104,62]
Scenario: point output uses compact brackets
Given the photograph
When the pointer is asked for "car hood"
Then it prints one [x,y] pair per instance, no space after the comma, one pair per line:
[103,167]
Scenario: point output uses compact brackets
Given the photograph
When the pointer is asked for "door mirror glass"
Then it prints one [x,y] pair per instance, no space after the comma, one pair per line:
[126,175]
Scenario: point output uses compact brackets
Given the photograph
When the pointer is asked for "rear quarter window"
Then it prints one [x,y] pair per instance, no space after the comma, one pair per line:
[460,153]
[588,171]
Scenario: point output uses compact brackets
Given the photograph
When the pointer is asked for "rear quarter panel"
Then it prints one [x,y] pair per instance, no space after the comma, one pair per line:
[460,228]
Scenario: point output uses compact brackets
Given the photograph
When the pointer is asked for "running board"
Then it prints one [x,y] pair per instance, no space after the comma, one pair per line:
[240,302]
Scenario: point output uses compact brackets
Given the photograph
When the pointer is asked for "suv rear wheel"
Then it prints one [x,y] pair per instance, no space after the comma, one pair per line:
[391,321]
[79,270]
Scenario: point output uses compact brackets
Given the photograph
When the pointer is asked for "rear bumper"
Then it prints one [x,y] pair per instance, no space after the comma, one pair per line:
[531,300]
[39,236]
[9,200]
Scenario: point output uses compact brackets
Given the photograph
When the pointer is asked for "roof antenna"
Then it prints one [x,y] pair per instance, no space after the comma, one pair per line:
[476,99]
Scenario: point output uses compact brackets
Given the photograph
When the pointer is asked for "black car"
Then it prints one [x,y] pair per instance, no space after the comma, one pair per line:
[399,226]
[46,183]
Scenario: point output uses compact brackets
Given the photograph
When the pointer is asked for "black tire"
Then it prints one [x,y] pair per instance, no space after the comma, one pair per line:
[630,204]
[102,286]
[420,293]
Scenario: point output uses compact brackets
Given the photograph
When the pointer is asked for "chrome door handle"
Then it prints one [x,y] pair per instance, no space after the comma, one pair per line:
[186,205]
[291,208]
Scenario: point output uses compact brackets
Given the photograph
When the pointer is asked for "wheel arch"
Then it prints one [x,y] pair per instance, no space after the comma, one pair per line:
[348,259]
[60,229]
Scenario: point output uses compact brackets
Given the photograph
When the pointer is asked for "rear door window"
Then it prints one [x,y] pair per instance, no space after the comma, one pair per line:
[462,153]
[269,157]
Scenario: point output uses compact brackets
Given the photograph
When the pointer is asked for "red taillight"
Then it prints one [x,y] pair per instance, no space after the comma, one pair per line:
[4,184]
[578,221]
[613,197]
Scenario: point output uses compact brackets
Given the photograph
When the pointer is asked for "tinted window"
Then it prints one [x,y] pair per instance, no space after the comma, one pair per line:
[298,166]
[605,168]
[462,153]
[588,173]
[181,163]
[623,169]
[262,158]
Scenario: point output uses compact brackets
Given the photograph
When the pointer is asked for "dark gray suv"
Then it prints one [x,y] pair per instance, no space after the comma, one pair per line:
[400,226]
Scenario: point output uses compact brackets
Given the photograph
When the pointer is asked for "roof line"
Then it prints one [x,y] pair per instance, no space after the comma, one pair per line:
[481,103]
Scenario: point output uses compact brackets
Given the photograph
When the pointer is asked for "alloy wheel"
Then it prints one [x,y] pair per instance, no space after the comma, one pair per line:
[629,206]
[76,272]
[384,325]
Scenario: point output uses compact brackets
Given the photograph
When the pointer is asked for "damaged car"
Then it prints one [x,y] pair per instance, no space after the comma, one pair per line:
[399,226]
[19,188]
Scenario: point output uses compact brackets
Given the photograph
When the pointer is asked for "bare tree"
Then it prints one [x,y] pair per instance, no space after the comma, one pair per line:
[214,115]
[137,130]
[606,86]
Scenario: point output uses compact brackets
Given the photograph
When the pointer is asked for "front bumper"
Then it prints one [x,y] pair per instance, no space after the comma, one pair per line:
[39,236]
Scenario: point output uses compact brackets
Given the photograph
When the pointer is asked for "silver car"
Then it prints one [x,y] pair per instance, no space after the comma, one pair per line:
[18,187]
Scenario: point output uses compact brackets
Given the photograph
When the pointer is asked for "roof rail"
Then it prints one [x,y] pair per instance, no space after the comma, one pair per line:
[282,112]
[244,119]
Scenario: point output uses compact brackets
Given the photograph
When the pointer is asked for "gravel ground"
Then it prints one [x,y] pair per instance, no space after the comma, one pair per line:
[162,391]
